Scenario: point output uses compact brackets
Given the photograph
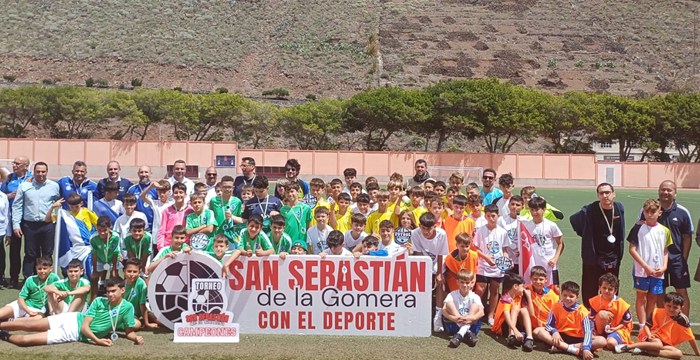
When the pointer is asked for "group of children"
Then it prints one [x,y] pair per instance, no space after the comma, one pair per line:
[475,247]
[525,313]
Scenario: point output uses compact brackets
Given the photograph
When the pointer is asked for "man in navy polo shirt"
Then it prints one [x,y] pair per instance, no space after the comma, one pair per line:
[79,184]
[20,173]
[113,169]
[677,219]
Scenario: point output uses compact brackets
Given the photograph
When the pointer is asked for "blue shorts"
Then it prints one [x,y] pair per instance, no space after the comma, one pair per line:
[452,328]
[615,335]
[649,284]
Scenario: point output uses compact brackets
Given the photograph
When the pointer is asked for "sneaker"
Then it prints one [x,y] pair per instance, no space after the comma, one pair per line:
[455,341]
[437,324]
[4,335]
[528,345]
[470,339]
[637,351]
[491,321]
[511,341]
[620,348]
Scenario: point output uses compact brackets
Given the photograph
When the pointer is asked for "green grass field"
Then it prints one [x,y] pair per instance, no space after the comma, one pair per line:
[159,345]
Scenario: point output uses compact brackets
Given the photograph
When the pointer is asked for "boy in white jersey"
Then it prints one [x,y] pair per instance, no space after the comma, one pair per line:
[505,183]
[548,240]
[490,241]
[105,316]
[70,293]
[336,245]
[509,222]
[363,205]
[121,225]
[649,244]
[462,311]
[354,236]
[316,235]
[475,206]
[386,239]
[431,241]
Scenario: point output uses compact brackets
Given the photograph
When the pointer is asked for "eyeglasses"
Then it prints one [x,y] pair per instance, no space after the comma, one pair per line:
[291,170]
[211,174]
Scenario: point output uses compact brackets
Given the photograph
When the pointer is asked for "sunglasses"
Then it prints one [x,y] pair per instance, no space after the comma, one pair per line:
[211,174]
[487,177]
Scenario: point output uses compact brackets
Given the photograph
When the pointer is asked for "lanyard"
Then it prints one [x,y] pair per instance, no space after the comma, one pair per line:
[612,218]
[267,203]
[44,295]
[113,320]
[130,294]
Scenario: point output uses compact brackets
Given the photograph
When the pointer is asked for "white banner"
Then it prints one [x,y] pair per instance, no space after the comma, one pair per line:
[306,294]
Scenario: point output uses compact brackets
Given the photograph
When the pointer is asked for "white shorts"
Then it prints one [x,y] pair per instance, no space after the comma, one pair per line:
[64,309]
[63,328]
[19,313]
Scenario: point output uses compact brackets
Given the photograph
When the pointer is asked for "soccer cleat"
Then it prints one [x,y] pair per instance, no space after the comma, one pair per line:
[528,345]
[620,348]
[470,339]
[437,323]
[455,341]
[511,341]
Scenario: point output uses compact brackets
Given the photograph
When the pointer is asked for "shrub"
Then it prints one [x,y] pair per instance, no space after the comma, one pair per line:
[136,82]
[101,83]
[89,82]
[222,90]
[311,97]
[579,64]
[552,63]
[9,78]
[177,88]
[47,81]
[277,93]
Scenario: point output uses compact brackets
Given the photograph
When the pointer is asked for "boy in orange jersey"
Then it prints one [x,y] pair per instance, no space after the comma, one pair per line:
[457,222]
[568,327]
[511,317]
[610,313]
[665,328]
[542,297]
[463,257]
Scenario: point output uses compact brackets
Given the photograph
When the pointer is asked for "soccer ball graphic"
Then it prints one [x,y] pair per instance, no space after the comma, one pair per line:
[208,301]
[169,288]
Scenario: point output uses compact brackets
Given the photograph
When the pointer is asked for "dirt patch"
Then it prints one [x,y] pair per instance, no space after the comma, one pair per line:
[461,36]
[438,67]
[572,45]
[505,69]
[536,46]
[490,28]
[424,20]
[449,20]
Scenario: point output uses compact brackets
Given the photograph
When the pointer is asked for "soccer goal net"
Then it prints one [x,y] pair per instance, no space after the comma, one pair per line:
[470,173]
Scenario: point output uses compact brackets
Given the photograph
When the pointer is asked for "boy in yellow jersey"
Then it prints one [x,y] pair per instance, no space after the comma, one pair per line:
[340,216]
[383,213]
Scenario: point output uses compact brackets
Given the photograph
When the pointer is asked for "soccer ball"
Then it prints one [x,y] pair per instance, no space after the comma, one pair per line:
[172,287]
[208,301]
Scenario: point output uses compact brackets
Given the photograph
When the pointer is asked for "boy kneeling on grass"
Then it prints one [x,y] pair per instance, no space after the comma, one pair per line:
[105,316]
[462,311]
[665,328]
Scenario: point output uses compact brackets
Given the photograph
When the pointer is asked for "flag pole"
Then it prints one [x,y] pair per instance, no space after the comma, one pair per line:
[56,238]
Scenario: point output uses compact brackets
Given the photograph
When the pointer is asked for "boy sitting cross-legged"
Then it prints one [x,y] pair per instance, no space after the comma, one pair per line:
[462,311]
[70,293]
[568,327]
[610,313]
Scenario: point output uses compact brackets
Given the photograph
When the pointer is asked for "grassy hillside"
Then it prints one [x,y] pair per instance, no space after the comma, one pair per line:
[319,47]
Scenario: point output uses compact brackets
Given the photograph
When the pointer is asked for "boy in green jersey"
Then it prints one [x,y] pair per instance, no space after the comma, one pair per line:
[138,243]
[32,299]
[220,249]
[177,246]
[227,212]
[136,294]
[281,242]
[200,221]
[105,316]
[253,241]
[105,253]
[297,215]
[69,294]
